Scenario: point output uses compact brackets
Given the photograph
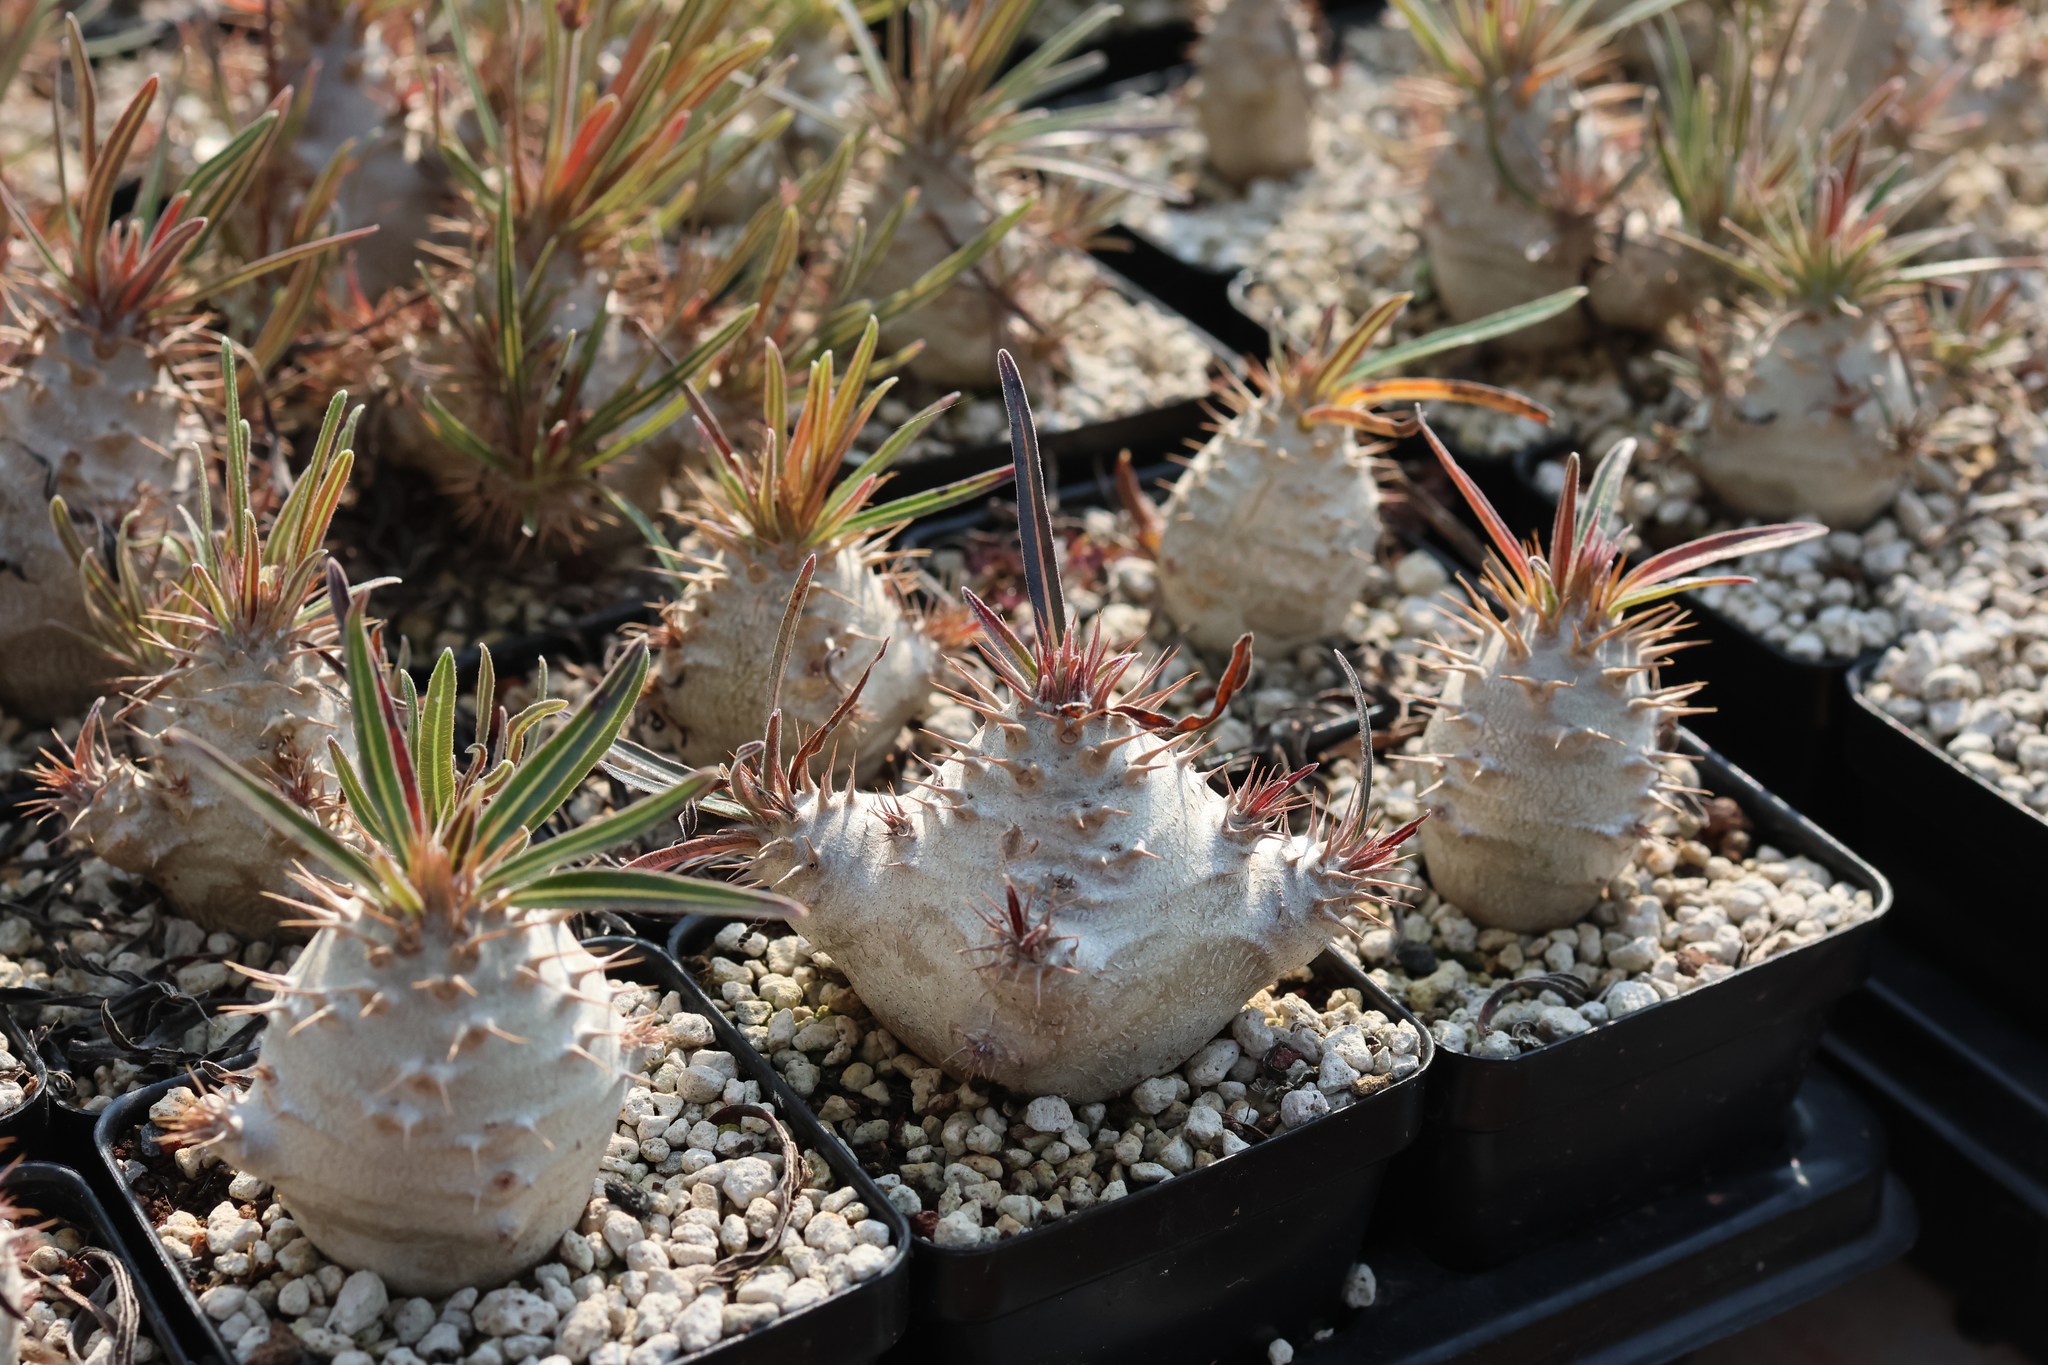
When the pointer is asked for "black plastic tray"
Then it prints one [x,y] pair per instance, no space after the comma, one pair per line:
[1671,1277]
[1956,841]
[1524,1150]
[856,1325]
[1963,1092]
[25,1123]
[57,1192]
[1780,717]
[1211,1264]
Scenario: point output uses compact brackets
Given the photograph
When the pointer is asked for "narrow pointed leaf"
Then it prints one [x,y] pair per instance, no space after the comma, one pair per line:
[632,890]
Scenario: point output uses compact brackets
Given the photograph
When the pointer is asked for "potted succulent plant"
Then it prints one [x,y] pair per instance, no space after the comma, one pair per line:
[441,928]
[1680,955]
[1019,985]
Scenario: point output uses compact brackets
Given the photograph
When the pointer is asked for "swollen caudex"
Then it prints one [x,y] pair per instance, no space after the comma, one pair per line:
[1066,906]
[764,514]
[232,653]
[1546,740]
[443,1066]
[1287,473]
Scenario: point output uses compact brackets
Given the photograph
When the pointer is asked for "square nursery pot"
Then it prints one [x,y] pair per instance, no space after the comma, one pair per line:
[1783,718]
[1965,857]
[857,1325]
[53,1191]
[25,1122]
[1523,1150]
[1211,1265]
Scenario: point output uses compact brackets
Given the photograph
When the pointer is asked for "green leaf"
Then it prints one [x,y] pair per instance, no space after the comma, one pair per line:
[600,835]
[1470,333]
[283,814]
[642,768]
[651,893]
[377,740]
[436,755]
[924,504]
[551,774]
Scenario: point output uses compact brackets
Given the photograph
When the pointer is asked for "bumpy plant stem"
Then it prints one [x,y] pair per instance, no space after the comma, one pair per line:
[230,650]
[1546,738]
[765,512]
[443,1067]
[1275,524]
[1066,906]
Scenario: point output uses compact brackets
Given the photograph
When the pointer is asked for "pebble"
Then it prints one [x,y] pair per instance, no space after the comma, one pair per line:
[1683,916]
[623,1287]
[984,1165]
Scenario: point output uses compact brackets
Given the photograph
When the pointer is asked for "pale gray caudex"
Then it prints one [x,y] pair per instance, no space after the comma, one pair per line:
[1065,906]
[1548,736]
[443,1064]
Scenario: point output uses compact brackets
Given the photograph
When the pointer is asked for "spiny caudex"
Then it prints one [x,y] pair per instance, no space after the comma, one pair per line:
[952,115]
[1808,405]
[1256,99]
[1547,736]
[761,515]
[230,648]
[1066,907]
[351,122]
[530,401]
[443,1067]
[89,408]
[1529,163]
[1286,473]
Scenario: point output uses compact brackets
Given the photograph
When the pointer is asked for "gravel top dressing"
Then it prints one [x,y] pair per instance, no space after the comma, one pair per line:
[971,1164]
[60,1274]
[85,933]
[1698,905]
[693,1235]
[1116,357]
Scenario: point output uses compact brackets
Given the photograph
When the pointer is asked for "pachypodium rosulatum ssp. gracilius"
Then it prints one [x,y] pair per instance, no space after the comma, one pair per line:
[1066,906]
[443,1066]
[1548,738]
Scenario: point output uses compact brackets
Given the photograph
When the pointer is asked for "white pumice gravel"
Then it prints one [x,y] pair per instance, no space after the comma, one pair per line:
[50,1318]
[96,927]
[971,1164]
[643,1279]
[1699,905]
[1971,671]
[1113,583]
[1854,592]
[1117,357]
[1343,232]
[15,1079]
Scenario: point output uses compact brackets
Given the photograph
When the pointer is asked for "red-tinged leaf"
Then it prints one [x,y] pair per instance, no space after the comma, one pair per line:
[1011,657]
[1496,529]
[1697,554]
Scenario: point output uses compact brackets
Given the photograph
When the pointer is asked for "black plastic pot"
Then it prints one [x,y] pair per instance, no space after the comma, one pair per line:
[26,1121]
[1963,1092]
[1672,1276]
[857,1325]
[1782,718]
[52,1191]
[1964,843]
[1524,1150]
[1210,1265]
